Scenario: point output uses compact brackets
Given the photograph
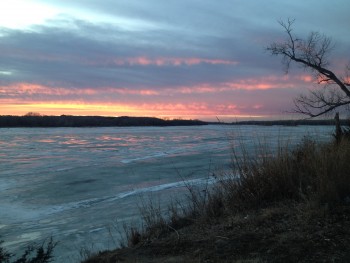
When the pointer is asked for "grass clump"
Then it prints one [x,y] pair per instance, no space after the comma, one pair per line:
[312,172]
[33,253]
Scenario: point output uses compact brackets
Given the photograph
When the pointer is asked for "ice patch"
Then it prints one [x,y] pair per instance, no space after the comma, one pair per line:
[162,187]
[24,238]
[97,230]
[94,201]
[156,155]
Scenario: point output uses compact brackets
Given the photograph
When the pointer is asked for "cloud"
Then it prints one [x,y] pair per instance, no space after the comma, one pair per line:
[58,56]
[145,61]
[163,53]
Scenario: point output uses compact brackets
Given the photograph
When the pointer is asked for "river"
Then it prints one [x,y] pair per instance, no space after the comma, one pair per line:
[77,184]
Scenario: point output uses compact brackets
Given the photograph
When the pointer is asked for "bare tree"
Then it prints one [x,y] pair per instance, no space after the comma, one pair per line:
[312,55]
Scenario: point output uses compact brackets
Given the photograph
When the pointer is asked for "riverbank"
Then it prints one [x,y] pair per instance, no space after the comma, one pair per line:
[293,207]
[284,232]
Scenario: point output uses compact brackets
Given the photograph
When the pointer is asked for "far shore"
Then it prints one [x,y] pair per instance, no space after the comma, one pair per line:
[9,121]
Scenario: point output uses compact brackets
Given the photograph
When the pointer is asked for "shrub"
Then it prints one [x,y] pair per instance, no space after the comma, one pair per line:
[32,254]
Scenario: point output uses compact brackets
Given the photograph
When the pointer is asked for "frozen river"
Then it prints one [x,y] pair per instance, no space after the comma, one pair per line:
[74,184]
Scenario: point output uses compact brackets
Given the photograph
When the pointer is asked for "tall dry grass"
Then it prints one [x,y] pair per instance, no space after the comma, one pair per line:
[316,173]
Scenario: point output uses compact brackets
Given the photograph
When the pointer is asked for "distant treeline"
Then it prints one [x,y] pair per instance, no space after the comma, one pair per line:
[90,121]
[99,121]
[292,122]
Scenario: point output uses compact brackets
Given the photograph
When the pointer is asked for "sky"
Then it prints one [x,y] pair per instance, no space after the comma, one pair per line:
[191,59]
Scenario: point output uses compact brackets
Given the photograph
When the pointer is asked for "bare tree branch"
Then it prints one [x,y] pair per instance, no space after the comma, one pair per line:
[312,55]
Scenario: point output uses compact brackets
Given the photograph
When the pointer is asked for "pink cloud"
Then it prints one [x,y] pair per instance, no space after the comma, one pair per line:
[169,61]
[258,106]
[22,89]
[34,89]
[125,91]
[236,97]
[263,83]
[306,78]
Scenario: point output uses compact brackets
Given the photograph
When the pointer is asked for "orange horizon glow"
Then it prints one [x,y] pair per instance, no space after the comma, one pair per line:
[20,98]
[192,111]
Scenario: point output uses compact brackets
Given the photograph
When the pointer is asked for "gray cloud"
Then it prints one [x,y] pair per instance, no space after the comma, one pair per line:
[84,58]
[150,44]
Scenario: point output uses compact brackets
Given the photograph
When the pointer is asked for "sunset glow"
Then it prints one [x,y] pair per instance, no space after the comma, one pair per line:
[188,111]
[142,59]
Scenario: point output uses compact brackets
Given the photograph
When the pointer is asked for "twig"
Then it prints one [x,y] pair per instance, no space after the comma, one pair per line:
[177,233]
[222,237]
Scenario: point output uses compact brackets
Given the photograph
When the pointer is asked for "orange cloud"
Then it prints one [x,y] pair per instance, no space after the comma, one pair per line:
[118,109]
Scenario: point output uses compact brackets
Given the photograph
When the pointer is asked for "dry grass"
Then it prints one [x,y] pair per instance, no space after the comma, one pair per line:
[315,173]
[310,172]
[313,176]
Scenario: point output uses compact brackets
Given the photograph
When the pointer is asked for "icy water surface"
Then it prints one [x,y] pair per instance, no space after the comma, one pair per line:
[75,183]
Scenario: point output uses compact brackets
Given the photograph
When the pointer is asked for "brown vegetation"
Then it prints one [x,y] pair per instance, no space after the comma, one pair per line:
[292,206]
[34,253]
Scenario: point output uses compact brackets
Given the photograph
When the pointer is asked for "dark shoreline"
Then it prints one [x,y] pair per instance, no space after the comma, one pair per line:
[9,121]
[89,121]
